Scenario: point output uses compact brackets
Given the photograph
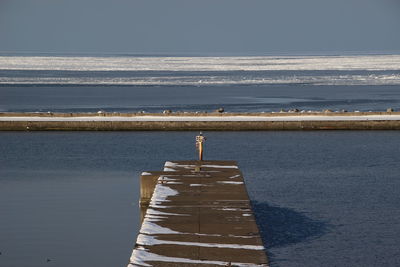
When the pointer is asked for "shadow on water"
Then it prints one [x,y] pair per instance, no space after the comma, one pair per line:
[282,226]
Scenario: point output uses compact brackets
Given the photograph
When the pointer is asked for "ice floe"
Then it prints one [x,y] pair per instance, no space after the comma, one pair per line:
[354,70]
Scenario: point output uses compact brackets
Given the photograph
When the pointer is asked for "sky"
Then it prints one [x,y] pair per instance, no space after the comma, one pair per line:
[234,27]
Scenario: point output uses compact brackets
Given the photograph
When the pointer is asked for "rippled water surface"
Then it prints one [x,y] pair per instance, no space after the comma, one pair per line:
[321,198]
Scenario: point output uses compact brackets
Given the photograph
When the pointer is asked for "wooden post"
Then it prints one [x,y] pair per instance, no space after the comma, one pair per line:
[199,145]
[201,151]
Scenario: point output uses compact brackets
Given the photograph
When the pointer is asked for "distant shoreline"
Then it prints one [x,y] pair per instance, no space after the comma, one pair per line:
[188,121]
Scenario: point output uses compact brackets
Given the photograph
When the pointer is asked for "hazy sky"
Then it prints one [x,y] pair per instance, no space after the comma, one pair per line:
[200,26]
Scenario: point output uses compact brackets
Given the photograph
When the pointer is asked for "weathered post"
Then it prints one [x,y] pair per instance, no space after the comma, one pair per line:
[199,145]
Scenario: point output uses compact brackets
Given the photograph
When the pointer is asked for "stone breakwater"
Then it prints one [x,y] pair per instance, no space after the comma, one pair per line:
[199,121]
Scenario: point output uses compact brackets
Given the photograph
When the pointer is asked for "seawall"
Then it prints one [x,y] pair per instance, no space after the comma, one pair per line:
[196,122]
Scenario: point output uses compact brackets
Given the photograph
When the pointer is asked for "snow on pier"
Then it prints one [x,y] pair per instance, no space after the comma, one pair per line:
[197,213]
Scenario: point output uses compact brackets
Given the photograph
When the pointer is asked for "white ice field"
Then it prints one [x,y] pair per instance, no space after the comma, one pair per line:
[258,70]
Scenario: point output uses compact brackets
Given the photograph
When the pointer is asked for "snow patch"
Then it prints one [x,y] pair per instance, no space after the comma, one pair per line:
[172,183]
[149,240]
[162,192]
[229,182]
[151,216]
[140,256]
[157,212]
[221,166]
[234,209]
[153,228]
[165,178]
[169,164]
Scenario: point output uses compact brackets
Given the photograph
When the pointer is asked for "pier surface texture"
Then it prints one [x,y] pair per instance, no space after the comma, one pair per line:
[197,213]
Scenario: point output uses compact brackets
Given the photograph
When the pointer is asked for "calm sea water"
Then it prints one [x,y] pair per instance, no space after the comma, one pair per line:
[245,98]
[321,198]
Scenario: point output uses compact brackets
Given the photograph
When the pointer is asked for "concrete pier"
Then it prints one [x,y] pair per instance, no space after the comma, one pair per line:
[199,122]
[197,213]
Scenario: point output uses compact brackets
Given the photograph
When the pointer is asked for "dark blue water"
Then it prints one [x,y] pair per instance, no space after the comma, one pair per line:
[321,198]
[234,98]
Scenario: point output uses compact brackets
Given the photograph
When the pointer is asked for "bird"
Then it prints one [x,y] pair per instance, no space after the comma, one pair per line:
[48,260]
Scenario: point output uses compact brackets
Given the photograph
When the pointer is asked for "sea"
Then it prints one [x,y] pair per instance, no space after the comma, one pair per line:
[321,198]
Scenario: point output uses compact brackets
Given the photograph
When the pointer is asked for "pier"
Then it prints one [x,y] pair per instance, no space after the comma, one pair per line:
[199,121]
[197,213]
